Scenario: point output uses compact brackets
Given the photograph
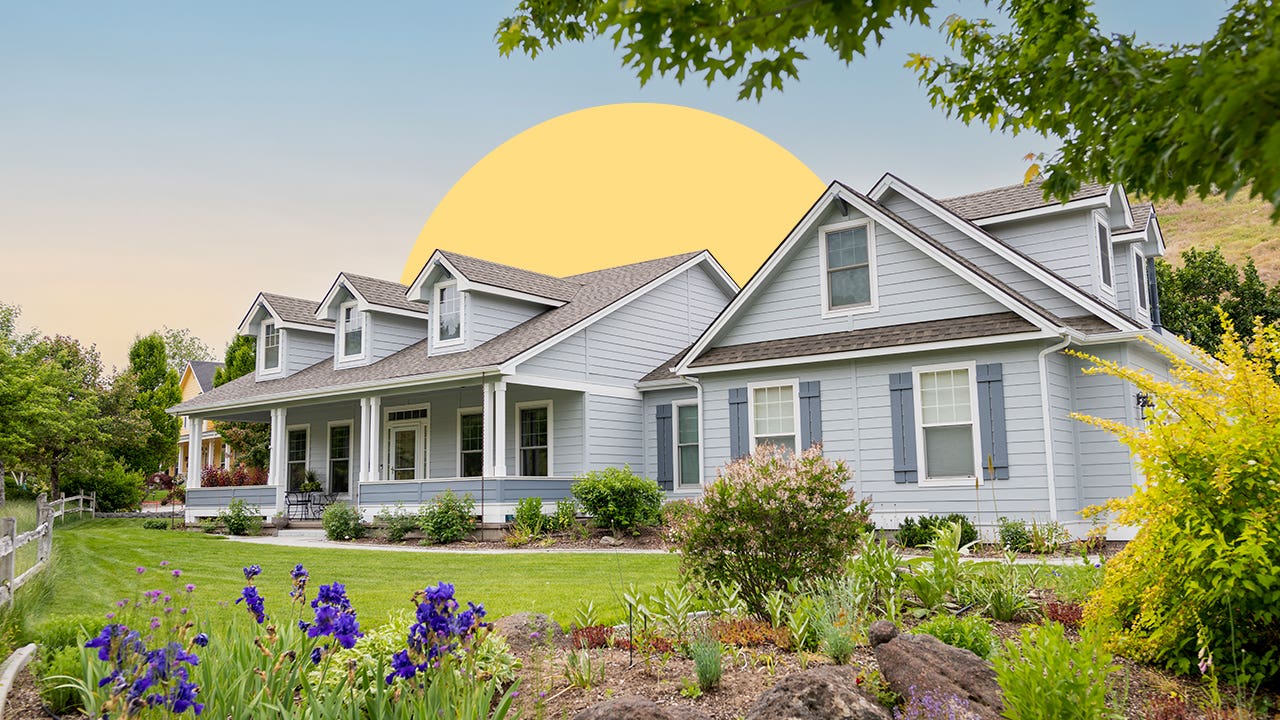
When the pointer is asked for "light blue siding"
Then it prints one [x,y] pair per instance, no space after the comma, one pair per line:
[303,349]
[491,315]
[567,429]
[1063,243]
[617,435]
[390,333]
[1103,465]
[624,346]
[316,419]
[911,287]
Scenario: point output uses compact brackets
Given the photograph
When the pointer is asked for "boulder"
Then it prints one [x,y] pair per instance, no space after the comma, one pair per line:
[926,664]
[637,708]
[610,541]
[525,631]
[823,693]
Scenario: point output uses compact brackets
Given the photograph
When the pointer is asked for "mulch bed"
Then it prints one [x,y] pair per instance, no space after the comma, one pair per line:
[23,701]
[646,539]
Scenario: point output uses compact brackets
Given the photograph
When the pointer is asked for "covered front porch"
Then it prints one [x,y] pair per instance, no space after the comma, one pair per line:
[497,440]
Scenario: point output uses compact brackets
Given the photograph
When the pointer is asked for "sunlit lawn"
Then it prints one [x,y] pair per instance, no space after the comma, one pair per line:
[96,565]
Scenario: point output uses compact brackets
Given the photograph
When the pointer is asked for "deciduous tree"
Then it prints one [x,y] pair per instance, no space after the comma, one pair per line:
[251,442]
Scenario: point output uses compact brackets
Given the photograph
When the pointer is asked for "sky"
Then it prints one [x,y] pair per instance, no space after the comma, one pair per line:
[161,162]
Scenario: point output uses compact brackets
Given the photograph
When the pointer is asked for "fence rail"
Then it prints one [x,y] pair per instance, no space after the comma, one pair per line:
[11,540]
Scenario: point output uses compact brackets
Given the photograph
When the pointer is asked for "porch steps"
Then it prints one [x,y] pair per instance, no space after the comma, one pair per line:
[303,525]
[296,533]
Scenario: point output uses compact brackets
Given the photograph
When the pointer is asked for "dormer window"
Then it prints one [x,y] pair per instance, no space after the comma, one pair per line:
[1140,280]
[447,313]
[270,342]
[848,267]
[1104,253]
[351,331]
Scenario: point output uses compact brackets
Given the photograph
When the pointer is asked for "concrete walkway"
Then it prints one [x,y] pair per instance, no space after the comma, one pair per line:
[309,538]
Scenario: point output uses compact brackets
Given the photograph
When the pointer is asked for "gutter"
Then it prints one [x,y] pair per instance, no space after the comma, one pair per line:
[1051,480]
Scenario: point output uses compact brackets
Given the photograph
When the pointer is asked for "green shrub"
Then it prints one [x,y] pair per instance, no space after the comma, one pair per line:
[707,654]
[970,632]
[155,524]
[934,578]
[398,521]
[529,516]
[565,517]
[1044,676]
[1014,536]
[52,670]
[618,498]
[771,518]
[238,519]
[342,522]
[838,642]
[1046,538]
[448,518]
[919,532]
[1203,571]
[64,631]
[14,491]
[118,490]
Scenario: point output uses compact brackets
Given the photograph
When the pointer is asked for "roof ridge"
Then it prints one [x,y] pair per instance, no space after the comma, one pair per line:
[373,278]
[517,268]
[682,256]
[266,293]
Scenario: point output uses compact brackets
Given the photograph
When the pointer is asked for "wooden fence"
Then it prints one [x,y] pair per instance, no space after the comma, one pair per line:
[11,540]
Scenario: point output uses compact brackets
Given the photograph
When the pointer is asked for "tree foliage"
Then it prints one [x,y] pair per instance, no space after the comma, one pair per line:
[1164,120]
[182,347]
[250,441]
[155,391]
[1190,296]
[1202,577]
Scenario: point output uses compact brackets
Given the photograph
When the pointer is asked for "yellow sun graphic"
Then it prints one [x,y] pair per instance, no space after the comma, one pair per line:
[623,183]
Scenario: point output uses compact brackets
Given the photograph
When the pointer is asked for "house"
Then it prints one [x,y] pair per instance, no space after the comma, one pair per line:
[197,378]
[920,340]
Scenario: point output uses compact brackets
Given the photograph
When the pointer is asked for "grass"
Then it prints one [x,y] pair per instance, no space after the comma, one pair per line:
[1241,227]
[97,562]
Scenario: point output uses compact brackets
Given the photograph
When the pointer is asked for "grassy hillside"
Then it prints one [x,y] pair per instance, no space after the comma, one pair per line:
[1241,227]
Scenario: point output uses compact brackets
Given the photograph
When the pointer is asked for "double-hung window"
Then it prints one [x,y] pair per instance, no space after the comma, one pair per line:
[774,410]
[470,443]
[687,457]
[351,331]
[848,266]
[448,313]
[535,439]
[1140,280]
[270,346]
[296,447]
[1103,231]
[340,458]
[947,436]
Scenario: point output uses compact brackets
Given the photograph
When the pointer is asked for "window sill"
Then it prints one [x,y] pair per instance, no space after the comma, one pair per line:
[962,482]
[830,314]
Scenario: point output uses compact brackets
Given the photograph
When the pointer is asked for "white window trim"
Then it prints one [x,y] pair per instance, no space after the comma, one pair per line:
[423,448]
[262,347]
[435,315]
[306,459]
[1139,267]
[1100,221]
[458,449]
[328,453]
[342,331]
[551,455]
[676,485]
[874,305]
[795,409]
[922,469]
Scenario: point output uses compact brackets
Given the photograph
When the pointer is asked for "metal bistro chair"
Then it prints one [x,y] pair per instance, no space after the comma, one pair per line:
[297,505]
[320,501]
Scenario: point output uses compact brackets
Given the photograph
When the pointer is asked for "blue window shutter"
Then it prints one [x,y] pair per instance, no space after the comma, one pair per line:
[902,413]
[995,447]
[739,433]
[810,414]
[666,470]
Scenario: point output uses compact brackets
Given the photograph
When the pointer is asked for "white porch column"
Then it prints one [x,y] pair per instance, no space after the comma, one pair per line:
[195,463]
[375,439]
[277,470]
[489,426]
[500,428]
[362,474]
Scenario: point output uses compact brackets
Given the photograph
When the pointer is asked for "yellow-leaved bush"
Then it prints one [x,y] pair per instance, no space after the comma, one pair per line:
[1203,572]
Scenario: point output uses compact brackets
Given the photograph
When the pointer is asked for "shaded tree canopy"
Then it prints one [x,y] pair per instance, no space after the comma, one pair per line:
[1191,294]
[183,347]
[1165,120]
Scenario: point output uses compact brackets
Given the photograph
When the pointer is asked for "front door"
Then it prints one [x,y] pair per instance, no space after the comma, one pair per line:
[404,451]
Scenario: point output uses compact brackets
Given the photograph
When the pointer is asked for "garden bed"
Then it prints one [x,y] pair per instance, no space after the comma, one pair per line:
[589,538]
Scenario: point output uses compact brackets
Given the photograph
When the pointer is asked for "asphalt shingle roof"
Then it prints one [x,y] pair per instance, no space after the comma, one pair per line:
[1011,199]
[513,278]
[1141,215]
[597,290]
[295,310]
[386,293]
[204,371]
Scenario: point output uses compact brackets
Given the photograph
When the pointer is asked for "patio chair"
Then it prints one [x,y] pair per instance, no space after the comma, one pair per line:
[297,505]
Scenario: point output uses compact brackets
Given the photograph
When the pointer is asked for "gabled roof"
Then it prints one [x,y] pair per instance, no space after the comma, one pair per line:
[598,291]
[1141,215]
[386,293]
[507,277]
[287,310]
[1012,199]
[203,371]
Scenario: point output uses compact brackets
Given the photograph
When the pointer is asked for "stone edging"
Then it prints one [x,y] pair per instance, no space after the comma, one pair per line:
[10,669]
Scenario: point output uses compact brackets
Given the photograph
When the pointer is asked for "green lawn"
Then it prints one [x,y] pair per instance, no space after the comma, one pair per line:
[96,565]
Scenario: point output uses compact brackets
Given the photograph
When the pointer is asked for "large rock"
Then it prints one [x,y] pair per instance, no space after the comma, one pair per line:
[823,693]
[636,708]
[525,631]
[926,664]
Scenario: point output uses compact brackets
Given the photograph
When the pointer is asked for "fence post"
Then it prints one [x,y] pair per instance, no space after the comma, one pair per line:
[9,529]
[44,518]
[93,504]
[62,506]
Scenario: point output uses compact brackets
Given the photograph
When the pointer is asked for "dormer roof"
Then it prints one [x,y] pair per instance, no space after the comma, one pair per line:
[1012,199]
[287,311]
[381,294]
[487,276]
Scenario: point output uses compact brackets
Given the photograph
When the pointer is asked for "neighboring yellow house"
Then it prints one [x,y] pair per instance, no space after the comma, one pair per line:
[197,378]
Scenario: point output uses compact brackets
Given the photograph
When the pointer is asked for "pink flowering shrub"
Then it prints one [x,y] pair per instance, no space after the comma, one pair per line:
[769,518]
[238,477]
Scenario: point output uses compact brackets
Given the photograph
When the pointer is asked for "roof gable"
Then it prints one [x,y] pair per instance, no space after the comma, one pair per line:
[371,293]
[496,278]
[286,312]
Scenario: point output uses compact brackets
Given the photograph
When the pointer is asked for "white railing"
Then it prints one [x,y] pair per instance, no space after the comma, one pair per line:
[11,540]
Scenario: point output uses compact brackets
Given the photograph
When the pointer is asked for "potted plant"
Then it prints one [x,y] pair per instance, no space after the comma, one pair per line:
[310,482]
